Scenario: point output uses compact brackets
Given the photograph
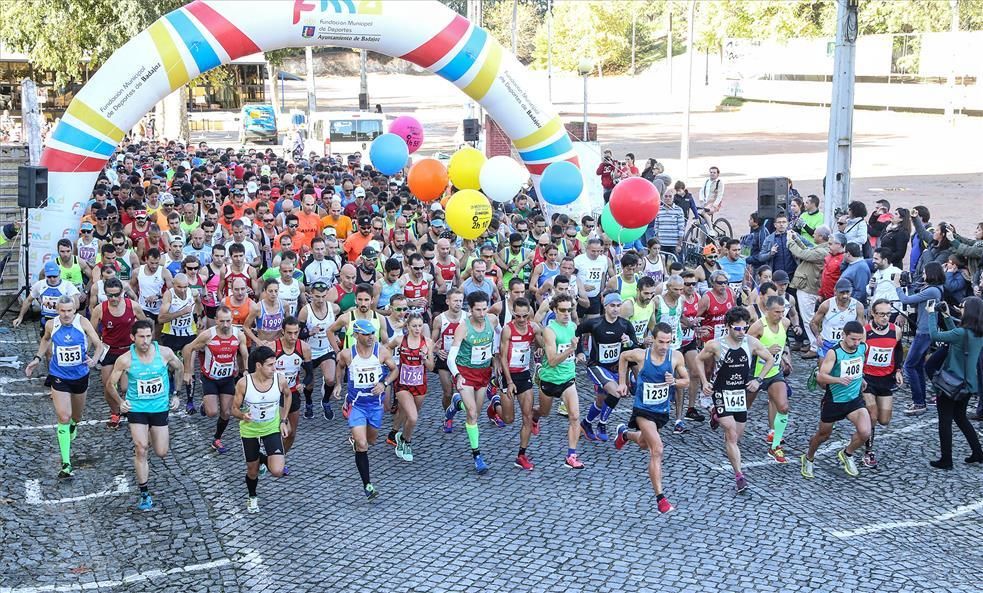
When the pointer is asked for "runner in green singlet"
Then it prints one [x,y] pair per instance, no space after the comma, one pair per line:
[640,309]
[772,331]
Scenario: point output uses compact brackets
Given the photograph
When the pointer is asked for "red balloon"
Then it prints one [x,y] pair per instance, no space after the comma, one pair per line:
[634,202]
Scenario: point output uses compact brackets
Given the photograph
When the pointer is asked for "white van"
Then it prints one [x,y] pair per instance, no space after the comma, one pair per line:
[345,133]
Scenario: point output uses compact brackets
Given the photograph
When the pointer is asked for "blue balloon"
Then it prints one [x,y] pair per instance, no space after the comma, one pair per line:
[389,154]
[561,183]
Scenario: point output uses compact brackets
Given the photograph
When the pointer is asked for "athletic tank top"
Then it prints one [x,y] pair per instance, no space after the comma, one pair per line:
[233,276]
[713,318]
[446,270]
[848,364]
[476,349]
[640,317]
[733,369]
[689,311]
[346,298]
[149,385]
[835,320]
[627,290]
[289,364]
[185,324]
[520,348]
[87,252]
[672,316]
[151,286]
[239,312]
[116,330]
[289,296]
[548,273]
[363,375]
[654,270]
[768,339]
[376,322]
[69,347]
[447,329]
[263,407]
[212,285]
[652,393]
[317,331]
[218,361]
[72,273]
[567,369]
[387,291]
[124,265]
[880,360]
[270,322]
[412,372]
[417,290]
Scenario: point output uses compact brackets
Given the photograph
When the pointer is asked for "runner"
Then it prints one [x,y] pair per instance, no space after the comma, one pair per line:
[558,373]
[178,309]
[415,358]
[149,388]
[833,315]
[731,356]
[714,305]
[346,321]
[318,316]
[659,368]
[442,333]
[416,287]
[265,322]
[669,310]
[882,373]
[841,372]
[292,356]
[691,344]
[609,336]
[343,293]
[261,402]
[47,293]
[149,282]
[115,319]
[772,331]
[66,339]
[470,361]
[367,381]
[518,337]
[592,268]
[222,363]
[239,303]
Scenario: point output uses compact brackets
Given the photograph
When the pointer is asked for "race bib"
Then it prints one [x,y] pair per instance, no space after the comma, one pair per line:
[851,368]
[222,370]
[263,411]
[594,275]
[181,322]
[411,375]
[48,303]
[836,335]
[735,400]
[654,394]
[150,388]
[448,342]
[520,355]
[366,378]
[879,357]
[68,356]
[152,301]
[291,378]
[608,353]
[481,354]
[561,348]
[736,286]
[719,331]
[640,328]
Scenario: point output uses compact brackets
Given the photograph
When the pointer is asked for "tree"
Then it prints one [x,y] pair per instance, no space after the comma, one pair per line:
[497,19]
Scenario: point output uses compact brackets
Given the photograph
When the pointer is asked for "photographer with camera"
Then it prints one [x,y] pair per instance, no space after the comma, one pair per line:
[607,171]
[914,363]
[938,246]
[806,279]
[971,249]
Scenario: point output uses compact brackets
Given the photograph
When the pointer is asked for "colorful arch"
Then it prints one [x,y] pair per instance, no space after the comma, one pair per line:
[207,33]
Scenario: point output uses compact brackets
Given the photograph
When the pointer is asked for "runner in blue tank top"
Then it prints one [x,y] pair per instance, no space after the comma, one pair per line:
[150,394]
[658,370]
[66,340]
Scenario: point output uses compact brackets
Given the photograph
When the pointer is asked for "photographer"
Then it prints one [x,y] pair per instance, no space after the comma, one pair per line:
[606,171]
[971,249]
[914,363]
[937,246]
[957,280]
[894,240]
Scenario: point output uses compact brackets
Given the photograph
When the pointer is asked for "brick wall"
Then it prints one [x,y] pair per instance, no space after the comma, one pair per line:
[576,130]
[11,156]
[497,142]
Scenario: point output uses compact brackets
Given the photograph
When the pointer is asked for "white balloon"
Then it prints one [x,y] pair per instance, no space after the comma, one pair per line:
[501,178]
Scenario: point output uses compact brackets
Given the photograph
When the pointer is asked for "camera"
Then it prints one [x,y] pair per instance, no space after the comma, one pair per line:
[905,279]
[798,225]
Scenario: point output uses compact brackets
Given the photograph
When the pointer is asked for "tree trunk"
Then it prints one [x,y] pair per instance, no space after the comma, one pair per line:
[274,88]
[172,122]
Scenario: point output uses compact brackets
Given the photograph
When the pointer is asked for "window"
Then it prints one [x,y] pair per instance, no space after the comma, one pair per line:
[347,130]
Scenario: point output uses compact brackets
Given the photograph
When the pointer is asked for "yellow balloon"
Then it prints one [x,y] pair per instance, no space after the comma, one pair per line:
[468,213]
[464,168]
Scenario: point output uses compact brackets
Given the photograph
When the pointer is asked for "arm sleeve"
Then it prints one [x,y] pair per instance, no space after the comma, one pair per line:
[452,360]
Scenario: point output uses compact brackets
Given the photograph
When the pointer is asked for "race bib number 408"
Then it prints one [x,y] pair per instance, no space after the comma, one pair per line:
[852,368]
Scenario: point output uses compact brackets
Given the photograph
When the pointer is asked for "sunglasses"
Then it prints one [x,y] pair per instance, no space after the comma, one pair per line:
[418,268]
[739,328]
[192,268]
[102,218]
[720,282]
[689,283]
[377,228]
[267,220]
[399,309]
[86,230]
[113,295]
[565,310]
[293,226]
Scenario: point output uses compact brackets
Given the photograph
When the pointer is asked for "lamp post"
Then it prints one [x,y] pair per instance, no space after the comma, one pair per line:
[584,68]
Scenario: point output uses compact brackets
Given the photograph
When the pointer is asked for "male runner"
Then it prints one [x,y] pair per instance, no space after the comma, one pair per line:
[731,356]
[669,310]
[882,373]
[841,371]
[148,390]
[772,331]
[346,321]
[178,309]
[658,368]
[66,339]
[518,337]
[318,316]
[292,356]
[833,315]
[442,333]
[558,373]
[115,318]
[470,361]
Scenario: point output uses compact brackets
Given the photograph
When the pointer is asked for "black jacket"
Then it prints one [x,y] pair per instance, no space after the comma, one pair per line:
[895,243]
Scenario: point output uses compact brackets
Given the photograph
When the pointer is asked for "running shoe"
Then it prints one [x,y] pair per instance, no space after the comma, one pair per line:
[371,492]
[326,410]
[714,420]
[493,415]
[113,422]
[849,466]
[679,427]
[806,467]
[201,409]
[397,441]
[146,502]
[309,410]
[189,408]
[602,432]
[869,459]
[770,436]
[694,415]
[778,454]
[452,409]
[588,430]
[622,438]
[572,462]
[448,426]
[535,428]
[66,471]
[562,409]
[665,506]
[262,469]
[740,483]
[252,505]
[523,462]
[391,439]
[915,410]
[218,446]
[480,466]
[407,451]
[346,411]
[286,470]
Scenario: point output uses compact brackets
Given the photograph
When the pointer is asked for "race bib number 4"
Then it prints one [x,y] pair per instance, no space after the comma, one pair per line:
[411,375]
[852,368]
[879,357]
[149,388]
[654,394]
[735,400]
[481,354]
[520,355]
[69,355]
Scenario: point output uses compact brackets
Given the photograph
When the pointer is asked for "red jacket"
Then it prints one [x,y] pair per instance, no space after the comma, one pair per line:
[831,273]
[606,171]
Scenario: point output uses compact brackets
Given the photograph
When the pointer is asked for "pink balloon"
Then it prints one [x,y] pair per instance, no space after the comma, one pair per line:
[410,130]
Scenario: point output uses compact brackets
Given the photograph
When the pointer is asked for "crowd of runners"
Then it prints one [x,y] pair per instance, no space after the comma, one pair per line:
[239,284]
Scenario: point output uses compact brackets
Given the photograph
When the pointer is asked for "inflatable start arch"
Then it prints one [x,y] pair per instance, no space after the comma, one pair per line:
[205,34]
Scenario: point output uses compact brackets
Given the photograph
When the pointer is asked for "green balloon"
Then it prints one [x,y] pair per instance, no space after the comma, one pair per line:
[617,232]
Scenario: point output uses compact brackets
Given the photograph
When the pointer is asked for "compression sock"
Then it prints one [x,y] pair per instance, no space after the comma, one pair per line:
[327,393]
[460,406]
[593,412]
[610,403]
[309,395]
[571,452]
[73,428]
[522,450]
[781,422]
[65,442]
[870,441]
[362,463]
[472,430]
[251,486]
[143,488]
[220,425]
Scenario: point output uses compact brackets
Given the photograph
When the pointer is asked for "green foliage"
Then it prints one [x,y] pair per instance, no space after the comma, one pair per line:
[497,19]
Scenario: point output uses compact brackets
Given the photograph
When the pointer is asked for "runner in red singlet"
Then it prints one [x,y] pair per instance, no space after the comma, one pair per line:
[415,359]
[114,319]
[518,339]
[691,343]
[293,355]
[416,287]
[713,306]
[447,275]
[882,373]
[444,326]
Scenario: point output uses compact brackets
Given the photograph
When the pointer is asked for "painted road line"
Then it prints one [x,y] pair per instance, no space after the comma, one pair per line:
[877,527]
[250,558]
[32,489]
[48,426]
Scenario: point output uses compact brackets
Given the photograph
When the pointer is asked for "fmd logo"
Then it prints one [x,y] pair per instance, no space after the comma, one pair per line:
[336,6]
[307,31]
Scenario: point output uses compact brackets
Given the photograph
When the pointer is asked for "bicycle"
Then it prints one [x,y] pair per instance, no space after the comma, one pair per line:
[703,229]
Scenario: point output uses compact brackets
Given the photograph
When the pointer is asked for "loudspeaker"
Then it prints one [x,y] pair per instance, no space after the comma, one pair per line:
[471,130]
[363,101]
[772,196]
[32,186]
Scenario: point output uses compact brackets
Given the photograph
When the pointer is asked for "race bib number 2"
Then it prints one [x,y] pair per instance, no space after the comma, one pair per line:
[480,354]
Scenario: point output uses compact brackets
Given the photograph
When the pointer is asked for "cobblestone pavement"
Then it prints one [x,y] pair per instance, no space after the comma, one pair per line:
[439,527]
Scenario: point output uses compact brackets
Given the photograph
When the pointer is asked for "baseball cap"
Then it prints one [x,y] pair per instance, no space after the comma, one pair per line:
[438,223]
[612,298]
[252,187]
[780,277]
[86,226]
[843,285]
[177,239]
[140,214]
[710,249]
[370,252]
[365,221]
[359,192]
[166,198]
[51,269]
[436,207]
[364,327]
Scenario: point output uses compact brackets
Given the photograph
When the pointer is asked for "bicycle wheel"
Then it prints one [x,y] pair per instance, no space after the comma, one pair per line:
[723,228]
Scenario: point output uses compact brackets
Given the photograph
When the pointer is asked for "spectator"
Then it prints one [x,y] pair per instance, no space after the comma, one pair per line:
[606,171]
[808,272]
[937,246]
[855,227]
[668,224]
[857,271]
[957,284]
[712,192]
[774,249]
[971,249]
[879,219]
[914,362]
[684,200]
[811,218]
[920,219]
[752,243]
[893,240]
[881,285]
[832,267]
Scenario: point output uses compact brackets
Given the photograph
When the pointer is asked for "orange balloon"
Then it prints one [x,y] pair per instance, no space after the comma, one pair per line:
[427,179]
[444,200]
